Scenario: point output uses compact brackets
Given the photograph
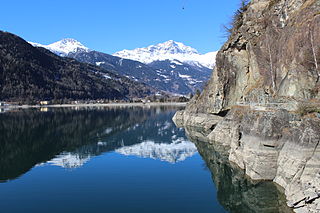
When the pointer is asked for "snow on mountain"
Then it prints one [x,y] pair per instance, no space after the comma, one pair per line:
[169,50]
[179,150]
[64,46]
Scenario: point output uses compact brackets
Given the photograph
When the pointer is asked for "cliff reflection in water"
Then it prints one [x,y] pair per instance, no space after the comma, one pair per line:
[69,138]
[235,191]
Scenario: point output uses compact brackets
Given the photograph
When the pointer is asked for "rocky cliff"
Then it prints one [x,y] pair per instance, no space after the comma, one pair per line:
[257,102]
[272,55]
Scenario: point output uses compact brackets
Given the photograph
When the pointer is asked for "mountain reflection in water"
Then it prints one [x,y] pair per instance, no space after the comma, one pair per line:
[69,138]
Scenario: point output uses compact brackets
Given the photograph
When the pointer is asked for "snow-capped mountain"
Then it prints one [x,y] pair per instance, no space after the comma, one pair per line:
[64,47]
[170,66]
[169,50]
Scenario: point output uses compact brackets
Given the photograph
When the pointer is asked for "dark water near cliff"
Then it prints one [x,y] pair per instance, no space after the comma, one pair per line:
[129,159]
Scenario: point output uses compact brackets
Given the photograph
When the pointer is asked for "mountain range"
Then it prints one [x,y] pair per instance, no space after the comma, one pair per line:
[170,66]
[29,74]
[169,50]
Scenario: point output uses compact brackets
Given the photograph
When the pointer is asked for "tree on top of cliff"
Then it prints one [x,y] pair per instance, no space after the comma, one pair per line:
[236,20]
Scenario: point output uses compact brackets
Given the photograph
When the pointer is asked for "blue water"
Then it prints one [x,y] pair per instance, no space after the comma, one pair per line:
[101,160]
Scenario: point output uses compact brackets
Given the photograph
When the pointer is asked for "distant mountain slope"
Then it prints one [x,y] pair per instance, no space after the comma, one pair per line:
[186,77]
[169,50]
[134,70]
[30,74]
[170,76]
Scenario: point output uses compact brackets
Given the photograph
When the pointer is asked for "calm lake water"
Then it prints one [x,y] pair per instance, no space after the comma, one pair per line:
[123,159]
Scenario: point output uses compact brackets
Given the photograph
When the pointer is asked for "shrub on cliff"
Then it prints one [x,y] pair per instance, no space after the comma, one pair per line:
[237,19]
[307,108]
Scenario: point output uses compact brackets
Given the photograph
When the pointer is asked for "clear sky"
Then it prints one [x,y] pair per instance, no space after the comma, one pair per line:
[114,25]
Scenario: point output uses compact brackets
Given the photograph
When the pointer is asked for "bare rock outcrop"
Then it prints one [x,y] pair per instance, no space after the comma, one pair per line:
[272,55]
[267,68]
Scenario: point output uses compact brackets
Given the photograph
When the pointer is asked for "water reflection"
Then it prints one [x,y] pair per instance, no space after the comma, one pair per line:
[70,138]
[235,191]
[45,139]
[178,150]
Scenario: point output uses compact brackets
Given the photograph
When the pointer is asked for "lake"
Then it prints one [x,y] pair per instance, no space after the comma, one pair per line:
[118,159]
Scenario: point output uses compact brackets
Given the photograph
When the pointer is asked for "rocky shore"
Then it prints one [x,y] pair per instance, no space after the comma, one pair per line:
[268,145]
[256,103]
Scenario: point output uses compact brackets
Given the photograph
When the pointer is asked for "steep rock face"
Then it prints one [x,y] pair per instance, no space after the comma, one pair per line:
[278,146]
[272,55]
[268,65]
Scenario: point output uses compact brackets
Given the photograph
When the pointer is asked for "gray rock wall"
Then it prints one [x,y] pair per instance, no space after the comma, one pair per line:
[271,56]
[271,145]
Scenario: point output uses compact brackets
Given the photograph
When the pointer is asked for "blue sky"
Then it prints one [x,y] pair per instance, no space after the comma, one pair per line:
[113,25]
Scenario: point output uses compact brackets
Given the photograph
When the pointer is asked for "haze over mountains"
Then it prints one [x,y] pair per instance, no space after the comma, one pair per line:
[170,66]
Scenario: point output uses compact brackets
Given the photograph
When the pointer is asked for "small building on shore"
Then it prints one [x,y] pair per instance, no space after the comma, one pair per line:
[44,102]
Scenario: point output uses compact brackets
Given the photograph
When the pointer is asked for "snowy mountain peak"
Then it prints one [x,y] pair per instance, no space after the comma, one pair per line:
[172,47]
[169,50]
[68,40]
[64,46]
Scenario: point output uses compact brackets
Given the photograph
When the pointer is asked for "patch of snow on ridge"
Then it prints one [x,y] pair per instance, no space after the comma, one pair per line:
[184,76]
[176,62]
[169,50]
[100,62]
[179,150]
[189,79]
[106,76]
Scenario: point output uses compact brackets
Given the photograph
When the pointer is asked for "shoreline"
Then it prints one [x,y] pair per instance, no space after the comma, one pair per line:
[151,104]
